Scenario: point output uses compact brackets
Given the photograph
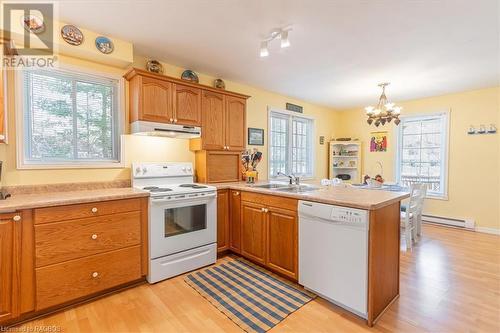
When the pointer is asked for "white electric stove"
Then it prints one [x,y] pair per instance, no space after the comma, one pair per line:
[182,218]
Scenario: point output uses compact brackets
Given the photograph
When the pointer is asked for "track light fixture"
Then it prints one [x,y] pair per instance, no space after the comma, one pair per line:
[264,52]
[281,34]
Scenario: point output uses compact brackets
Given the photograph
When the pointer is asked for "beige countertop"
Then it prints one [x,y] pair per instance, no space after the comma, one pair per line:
[369,199]
[28,201]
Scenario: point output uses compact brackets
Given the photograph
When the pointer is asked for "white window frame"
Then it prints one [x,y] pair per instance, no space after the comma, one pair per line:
[445,137]
[91,164]
[312,152]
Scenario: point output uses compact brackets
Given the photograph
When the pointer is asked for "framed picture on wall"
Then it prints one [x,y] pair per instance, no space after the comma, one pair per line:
[255,136]
[378,142]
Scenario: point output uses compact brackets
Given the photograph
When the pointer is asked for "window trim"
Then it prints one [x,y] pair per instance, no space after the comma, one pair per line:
[445,136]
[89,164]
[269,140]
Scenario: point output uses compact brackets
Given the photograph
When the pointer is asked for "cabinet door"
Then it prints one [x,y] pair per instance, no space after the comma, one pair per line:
[235,123]
[212,118]
[235,221]
[222,220]
[253,220]
[187,105]
[2,107]
[156,100]
[282,241]
[9,266]
[223,166]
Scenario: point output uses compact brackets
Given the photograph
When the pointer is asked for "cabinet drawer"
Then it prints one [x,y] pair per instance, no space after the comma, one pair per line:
[61,241]
[68,212]
[60,283]
[270,200]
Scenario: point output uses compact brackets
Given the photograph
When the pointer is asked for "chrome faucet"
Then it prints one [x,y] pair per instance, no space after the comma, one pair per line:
[291,177]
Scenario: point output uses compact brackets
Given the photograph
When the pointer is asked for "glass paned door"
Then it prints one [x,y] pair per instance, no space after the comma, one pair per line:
[182,220]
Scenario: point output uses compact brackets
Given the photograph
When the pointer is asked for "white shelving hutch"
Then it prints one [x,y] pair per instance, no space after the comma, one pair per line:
[345,158]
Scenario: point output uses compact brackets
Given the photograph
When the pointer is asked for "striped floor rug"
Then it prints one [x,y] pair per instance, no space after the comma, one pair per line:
[252,297]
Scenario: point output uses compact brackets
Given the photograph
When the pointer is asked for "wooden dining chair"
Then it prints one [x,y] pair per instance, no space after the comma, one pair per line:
[411,218]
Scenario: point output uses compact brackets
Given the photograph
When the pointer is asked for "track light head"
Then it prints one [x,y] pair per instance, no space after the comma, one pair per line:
[285,42]
[264,52]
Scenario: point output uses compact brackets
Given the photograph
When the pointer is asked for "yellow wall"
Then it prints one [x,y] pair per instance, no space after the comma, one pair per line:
[474,161]
[159,149]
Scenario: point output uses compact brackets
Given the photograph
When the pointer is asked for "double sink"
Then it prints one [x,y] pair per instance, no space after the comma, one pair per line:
[287,188]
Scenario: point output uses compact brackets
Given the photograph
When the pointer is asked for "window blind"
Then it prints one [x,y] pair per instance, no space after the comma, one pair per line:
[69,117]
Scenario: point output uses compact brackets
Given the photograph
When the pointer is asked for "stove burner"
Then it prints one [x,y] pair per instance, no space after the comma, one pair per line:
[156,189]
[192,185]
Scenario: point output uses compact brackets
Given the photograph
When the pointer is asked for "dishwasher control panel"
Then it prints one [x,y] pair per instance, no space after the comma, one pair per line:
[333,213]
[348,215]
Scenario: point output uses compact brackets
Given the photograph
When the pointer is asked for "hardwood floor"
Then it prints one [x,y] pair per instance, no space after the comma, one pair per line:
[450,282]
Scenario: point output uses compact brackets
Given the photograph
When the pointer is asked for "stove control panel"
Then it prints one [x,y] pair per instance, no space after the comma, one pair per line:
[161,169]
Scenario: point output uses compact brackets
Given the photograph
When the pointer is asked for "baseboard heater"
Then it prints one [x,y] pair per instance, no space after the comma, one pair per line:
[459,223]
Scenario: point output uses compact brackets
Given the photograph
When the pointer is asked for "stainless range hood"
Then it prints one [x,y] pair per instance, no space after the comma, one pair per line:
[166,130]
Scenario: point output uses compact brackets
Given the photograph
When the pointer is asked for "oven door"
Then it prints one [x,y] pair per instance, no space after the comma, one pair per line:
[181,224]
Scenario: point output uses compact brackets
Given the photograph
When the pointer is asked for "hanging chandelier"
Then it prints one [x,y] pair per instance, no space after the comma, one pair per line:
[384,112]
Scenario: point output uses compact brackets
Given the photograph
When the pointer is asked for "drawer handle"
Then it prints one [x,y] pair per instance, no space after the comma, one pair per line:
[16,218]
[94,209]
[95,274]
[94,236]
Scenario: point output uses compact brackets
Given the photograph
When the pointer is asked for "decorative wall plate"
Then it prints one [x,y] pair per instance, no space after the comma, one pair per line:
[154,66]
[33,24]
[189,75]
[72,35]
[104,44]
[219,83]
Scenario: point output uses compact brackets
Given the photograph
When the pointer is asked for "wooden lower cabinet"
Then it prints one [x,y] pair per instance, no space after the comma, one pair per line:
[235,221]
[282,239]
[222,220]
[261,228]
[253,231]
[70,280]
[16,265]
[9,266]
[52,257]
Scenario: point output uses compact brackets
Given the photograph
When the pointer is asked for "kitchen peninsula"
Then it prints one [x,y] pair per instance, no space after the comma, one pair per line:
[261,223]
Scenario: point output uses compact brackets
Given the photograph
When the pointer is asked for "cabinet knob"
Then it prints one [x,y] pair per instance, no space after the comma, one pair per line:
[94,236]
[94,209]
[266,210]
[95,274]
[263,209]
[175,120]
[227,147]
[236,193]
[171,120]
[16,218]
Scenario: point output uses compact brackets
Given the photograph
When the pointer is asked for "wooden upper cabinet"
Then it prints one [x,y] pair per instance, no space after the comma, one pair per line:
[187,105]
[212,133]
[156,101]
[235,123]
[253,231]
[282,234]
[9,266]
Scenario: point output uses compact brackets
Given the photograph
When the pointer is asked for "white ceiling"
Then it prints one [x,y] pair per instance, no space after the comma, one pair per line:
[340,49]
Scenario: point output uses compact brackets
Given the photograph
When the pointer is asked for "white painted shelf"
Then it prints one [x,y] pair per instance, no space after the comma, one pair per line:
[353,172]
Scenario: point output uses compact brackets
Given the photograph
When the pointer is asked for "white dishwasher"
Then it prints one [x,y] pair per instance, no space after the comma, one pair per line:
[333,254]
